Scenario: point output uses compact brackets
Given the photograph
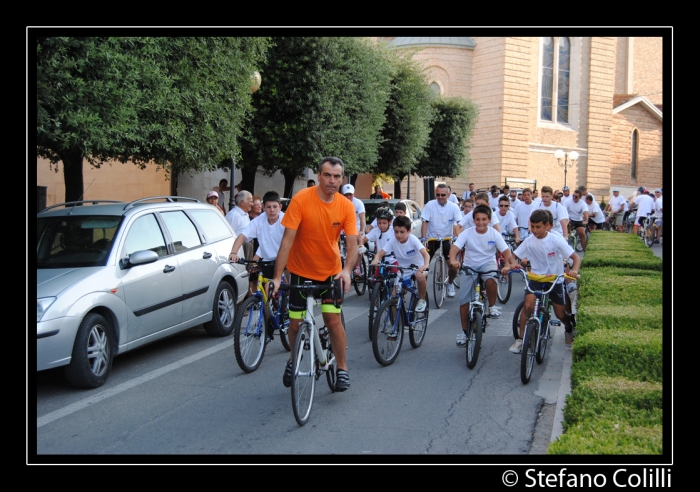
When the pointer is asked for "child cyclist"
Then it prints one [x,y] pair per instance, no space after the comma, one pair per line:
[380,234]
[481,243]
[407,250]
[545,250]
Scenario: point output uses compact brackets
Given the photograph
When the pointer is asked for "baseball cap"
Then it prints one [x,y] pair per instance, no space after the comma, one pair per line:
[565,188]
[615,190]
[347,188]
[658,190]
[640,189]
[212,193]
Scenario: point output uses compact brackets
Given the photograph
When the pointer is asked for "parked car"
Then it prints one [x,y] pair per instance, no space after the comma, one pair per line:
[413,211]
[113,276]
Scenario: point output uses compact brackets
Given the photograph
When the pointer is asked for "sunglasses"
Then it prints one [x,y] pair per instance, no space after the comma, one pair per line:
[438,194]
[504,206]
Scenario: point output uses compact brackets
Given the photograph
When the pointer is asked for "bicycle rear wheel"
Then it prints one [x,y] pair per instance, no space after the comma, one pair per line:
[360,282]
[527,356]
[439,281]
[516,320]
[375,301]
[504,287]
[544,341]
[419,324]
[474,334]
[387,333]
[303,374]
[249,335]
[284,320]
[649,235]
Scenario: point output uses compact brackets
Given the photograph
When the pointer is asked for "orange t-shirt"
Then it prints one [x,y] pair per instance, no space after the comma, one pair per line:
[315,252]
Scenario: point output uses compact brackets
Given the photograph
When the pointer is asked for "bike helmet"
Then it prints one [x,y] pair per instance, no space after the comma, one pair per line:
[384,213]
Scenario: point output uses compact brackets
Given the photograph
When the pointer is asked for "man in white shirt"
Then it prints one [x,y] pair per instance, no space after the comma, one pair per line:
[514,202]
[469,192]
[645,206]
[349,191]
[506,219]
[617,207]
[595,214]
[578,213]
[239,219]
[493,198]
[659,211]
[453,198]
[536,197]
[559,213]
[441,219]
[567,195]
[467,219]
[523,212]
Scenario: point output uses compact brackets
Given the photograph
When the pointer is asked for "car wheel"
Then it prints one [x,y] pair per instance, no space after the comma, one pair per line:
[223,311]
[93,351]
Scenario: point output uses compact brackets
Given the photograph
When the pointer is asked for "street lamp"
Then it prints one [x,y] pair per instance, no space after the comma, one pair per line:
[569,160]
[255,81]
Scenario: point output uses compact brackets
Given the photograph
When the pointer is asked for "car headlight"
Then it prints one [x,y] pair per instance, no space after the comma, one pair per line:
[42,305]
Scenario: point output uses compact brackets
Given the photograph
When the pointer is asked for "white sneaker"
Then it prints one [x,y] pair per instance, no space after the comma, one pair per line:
[420,307]
[450,290]
[462,339]
[495,312]
[517,347]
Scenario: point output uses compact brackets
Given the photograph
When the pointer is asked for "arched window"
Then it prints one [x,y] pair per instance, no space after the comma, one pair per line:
[435,87]
[634,154]
[554,93]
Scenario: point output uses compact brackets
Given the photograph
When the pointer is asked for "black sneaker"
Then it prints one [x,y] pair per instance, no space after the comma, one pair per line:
[287,378]
[342,381]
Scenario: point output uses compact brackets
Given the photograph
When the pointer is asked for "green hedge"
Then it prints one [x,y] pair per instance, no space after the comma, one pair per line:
[607,248]
[636,355]
[609,437]
[614,317]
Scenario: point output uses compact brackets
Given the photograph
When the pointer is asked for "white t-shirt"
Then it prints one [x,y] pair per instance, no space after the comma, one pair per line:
[480,248]
[453,198]
[522,217]
[381,238]
[507,223]
[537,200]
[493,202]
[514,203]
[616,202]
[559,213]
[407,253]
[546,254]
[594,208]
[576,210]
[567,199]
[269,235]
[238,219]
[467,220]
[359,208]
[441,218]
[658,205]
[645,205]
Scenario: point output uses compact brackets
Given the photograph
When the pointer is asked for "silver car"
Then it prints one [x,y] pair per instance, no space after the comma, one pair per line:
[113,276]
[413,211]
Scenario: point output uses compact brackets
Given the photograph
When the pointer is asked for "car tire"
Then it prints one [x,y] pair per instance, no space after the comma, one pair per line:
[223,311]
[93,351]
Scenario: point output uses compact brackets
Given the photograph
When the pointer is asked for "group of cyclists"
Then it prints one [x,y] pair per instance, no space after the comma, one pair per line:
[304,243]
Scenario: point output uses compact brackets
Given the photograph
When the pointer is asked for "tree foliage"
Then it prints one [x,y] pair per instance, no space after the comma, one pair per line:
[320,96]
[447,152]
[408,116]
[177,102]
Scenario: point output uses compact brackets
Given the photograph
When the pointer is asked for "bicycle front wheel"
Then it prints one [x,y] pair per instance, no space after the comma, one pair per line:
[527,356]
[504,287]
[249,335]
[284,320]
[360,281]
[649,235]
[303,374]
[418,325]
[387,333]
[474,334]
[516,320]
[439,281]
[544,341]
[375,300]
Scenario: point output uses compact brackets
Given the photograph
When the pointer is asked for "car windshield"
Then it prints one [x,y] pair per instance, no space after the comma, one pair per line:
[76,241]
[371,209]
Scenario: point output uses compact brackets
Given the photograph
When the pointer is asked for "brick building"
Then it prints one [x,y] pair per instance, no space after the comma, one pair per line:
[598,96]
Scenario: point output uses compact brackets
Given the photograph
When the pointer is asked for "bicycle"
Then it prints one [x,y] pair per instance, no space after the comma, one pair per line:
[313,353]
[263,315]
[359,282]
[393,317]
[476,322]
[537,328]
[440,272]
[648,230]
[574,240]
[380,285]
[503,281]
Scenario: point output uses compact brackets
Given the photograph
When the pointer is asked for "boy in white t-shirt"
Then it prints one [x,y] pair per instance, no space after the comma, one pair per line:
[544,250]
[381,234]
[480,244]
[408,250]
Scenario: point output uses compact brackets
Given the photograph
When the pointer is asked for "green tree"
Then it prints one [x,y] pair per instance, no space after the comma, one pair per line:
[408,115]
[177,102]
[447,152]
[320,96]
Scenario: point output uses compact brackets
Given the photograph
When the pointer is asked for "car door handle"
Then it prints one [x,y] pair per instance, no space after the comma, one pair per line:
[206,255]
[168,269]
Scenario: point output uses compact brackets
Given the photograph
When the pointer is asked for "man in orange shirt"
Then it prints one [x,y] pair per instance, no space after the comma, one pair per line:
[309,250]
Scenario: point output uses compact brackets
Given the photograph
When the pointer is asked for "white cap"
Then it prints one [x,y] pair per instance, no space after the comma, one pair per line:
[347,188]
[212,193]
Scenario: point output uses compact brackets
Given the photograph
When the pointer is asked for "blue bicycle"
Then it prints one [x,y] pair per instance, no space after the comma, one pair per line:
[395,314]
[380,282]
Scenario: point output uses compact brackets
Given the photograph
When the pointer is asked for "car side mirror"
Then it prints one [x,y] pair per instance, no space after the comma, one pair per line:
[138,258]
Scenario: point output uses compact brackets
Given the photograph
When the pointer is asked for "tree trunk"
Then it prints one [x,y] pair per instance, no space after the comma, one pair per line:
[73,174]
[248,178]
[397,186]
[352,179]
[289,179]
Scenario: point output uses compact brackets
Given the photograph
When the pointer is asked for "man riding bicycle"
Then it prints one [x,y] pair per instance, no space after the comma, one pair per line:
[309,249]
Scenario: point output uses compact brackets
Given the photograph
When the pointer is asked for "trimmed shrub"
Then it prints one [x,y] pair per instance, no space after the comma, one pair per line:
[636,355]
[607,248]
[615,317]
[625,287]
[609,437]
